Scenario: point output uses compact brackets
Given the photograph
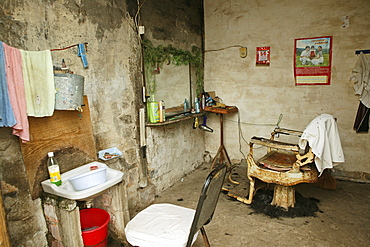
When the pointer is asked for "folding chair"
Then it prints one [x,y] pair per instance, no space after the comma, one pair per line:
[168,225]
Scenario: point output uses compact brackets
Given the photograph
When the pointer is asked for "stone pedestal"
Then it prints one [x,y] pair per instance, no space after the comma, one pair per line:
[63,216]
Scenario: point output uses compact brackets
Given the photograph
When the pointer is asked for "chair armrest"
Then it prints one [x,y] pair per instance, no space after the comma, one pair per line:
[274,144]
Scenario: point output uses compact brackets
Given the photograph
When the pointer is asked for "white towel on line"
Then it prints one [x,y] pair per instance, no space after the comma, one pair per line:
[38,79]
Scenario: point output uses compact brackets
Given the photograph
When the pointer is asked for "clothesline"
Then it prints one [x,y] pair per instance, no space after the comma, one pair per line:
[65,48]
[27,86]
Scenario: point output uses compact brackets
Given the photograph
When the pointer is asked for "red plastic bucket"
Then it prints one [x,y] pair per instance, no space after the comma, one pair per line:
[94,226]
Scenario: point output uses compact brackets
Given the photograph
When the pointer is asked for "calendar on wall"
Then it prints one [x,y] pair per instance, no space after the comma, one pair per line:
[263,55]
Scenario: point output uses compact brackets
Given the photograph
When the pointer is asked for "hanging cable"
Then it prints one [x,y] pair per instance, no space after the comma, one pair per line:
[231,46]
[241,137]
[261,124]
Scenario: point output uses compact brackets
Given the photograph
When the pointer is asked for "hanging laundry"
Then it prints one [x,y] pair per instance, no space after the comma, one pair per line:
[361,79]
[7,118]
[14,78]
[37,68]
[362,119]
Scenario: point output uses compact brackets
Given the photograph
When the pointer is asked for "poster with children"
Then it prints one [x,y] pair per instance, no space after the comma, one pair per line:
[312,60]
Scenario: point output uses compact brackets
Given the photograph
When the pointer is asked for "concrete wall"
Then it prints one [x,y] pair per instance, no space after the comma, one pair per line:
[176,149]
[263,93]
[113,84]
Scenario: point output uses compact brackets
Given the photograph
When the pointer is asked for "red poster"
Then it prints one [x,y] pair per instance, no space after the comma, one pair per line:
[312,60]
[263,55]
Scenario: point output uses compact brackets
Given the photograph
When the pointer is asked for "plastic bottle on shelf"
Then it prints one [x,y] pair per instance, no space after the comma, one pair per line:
[197,106]
[54,170]
[162,111]
[153,110]
[186,105]
[203,102]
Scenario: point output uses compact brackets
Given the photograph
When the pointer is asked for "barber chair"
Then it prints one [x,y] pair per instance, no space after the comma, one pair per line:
[284,165]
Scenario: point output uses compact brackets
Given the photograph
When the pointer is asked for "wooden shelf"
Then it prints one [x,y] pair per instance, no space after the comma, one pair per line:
[176,119]
[226,110]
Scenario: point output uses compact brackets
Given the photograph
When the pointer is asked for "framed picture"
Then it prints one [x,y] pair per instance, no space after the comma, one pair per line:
[312,60]
[262,55]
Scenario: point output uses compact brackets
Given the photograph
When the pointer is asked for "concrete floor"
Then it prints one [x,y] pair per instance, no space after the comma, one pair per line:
[343,218]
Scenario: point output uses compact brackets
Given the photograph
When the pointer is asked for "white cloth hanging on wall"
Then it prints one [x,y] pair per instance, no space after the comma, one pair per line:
[361,79]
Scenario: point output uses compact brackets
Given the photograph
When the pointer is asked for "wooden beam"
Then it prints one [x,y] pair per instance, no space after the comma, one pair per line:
[64,130]
[4,236]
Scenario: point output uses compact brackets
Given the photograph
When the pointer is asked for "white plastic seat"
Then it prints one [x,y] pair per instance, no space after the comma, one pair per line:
[168,225]
[161,225]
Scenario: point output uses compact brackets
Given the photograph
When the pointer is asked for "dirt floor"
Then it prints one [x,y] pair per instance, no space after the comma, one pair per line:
[342,218]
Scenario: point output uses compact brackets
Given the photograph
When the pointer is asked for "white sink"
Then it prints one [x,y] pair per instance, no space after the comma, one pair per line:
[66,190]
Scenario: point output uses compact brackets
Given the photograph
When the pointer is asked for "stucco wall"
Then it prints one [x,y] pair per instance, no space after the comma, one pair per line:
[263,93]
[112,84]
[176,149]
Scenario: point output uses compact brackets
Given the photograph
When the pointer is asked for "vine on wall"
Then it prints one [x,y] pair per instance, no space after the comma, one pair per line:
[156,56]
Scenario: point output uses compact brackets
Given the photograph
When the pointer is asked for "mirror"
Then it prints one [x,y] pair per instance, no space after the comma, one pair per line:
[172,75]
[173,86]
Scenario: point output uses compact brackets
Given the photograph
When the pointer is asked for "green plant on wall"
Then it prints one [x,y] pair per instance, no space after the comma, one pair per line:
[156,56]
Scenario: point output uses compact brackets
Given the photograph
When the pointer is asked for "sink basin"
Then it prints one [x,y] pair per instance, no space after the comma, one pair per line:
[67,190]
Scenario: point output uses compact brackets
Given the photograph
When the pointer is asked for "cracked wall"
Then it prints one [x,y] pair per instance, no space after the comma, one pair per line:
[267,96]
[112,84]
[173,150]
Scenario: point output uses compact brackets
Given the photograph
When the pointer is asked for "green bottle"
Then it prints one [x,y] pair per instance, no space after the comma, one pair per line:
[153,110]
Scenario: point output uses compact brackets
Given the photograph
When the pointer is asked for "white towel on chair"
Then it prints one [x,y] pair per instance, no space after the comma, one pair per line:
[323,137]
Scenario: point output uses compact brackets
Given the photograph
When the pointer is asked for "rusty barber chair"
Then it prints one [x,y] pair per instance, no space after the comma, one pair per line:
[284,165]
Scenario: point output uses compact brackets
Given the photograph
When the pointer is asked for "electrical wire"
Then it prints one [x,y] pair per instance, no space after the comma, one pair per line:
[260,124]
[221,49]
[240,135]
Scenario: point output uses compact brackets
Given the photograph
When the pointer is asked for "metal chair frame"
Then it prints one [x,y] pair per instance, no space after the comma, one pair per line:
[207,202]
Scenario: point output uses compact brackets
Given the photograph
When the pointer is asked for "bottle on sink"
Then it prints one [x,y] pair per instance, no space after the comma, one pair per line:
[54,170]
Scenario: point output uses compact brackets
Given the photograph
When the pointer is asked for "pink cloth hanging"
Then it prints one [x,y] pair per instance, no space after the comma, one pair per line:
[14,77]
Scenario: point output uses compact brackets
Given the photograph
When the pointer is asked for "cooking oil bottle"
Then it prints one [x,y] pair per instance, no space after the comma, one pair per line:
[54,171]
